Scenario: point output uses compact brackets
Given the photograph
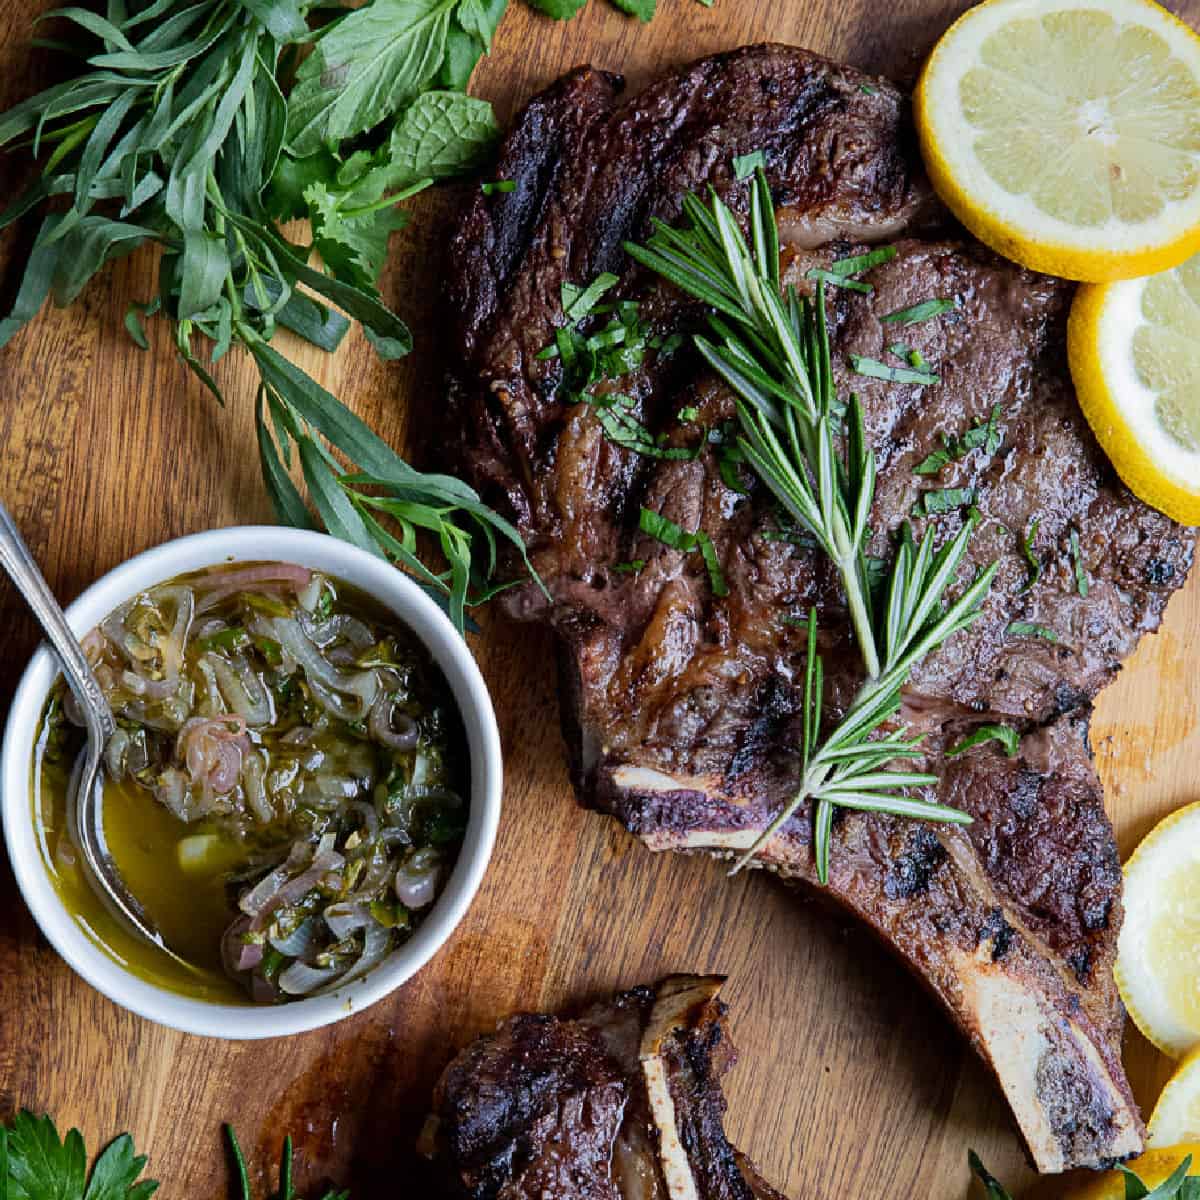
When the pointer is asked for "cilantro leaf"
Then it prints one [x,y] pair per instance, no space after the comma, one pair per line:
[40,1166]
[352,243]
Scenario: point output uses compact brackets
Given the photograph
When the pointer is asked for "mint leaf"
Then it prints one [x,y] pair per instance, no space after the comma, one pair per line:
[481,17]
[442,134]
[365,67]
[560,10]
[642,9]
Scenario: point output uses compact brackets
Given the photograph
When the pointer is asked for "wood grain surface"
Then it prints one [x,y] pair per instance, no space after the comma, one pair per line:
[851,1084]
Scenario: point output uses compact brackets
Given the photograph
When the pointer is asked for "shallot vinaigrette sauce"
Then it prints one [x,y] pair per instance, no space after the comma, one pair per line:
[285,792]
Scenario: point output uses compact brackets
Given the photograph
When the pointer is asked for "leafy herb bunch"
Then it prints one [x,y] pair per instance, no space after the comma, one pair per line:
[197,127]
[36,1164]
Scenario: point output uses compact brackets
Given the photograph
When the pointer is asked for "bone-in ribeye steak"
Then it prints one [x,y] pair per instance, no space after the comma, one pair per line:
[622,1102]
[682,710]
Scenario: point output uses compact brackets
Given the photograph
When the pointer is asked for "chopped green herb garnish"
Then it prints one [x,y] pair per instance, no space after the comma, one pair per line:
[744,165]
[874,369]
[665,530]
[796,622]
[855,264]
[867,89]
[920,312]
[578,302]
[729,456]
[1006,736]
[1029,629]
[1035,563]
[629,568]
[1081,579]
[500,185]
[688,414]
[986,436]
[624,429]
[943,500]
[841,281]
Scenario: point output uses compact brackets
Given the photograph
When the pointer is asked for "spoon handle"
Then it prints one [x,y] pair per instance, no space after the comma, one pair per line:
[23,570]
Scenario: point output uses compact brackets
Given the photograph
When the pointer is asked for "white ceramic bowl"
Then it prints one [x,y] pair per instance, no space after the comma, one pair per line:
[420,614]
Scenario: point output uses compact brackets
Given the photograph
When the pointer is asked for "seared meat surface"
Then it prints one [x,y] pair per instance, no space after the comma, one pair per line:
[682,709]
[622,1102]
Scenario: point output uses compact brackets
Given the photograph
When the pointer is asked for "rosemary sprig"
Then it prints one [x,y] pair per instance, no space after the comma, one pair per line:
[772,349]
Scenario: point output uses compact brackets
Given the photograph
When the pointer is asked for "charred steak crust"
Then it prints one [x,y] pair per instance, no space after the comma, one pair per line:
[681,712]
[621,1101]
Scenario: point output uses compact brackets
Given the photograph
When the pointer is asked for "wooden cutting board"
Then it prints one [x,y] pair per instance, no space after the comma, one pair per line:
[851,1083]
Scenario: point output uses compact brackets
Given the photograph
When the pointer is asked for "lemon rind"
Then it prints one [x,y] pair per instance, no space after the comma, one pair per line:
[1131,969]
[1188,1069]
[1089,352]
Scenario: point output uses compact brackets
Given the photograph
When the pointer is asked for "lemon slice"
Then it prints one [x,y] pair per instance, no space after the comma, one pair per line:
[1065,134]
[1154,1167]
[1176,1116]
[1158,954]
[1134,348]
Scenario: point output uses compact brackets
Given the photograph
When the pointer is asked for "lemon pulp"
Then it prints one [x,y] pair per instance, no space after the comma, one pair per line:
[1091,119]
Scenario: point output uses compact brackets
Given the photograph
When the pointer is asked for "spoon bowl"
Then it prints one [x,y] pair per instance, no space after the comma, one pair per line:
[86,793]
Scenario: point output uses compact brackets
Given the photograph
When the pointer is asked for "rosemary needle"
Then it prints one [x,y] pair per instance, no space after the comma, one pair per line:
[772,347]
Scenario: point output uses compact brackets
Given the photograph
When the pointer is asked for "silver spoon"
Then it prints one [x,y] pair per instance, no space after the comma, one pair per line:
[85,793]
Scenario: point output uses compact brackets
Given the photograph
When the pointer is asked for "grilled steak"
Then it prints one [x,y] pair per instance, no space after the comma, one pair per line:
[682,710]
[622,1102]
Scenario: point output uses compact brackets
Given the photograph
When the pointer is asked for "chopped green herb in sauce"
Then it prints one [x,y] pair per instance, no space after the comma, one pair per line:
[499,185]
[1005,735]
[632,567]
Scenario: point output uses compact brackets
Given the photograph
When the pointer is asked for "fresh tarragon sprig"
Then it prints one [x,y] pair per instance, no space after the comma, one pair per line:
[189,126]
[772,347]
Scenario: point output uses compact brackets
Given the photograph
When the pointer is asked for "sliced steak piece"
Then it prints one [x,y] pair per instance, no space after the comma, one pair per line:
[682,710]
[622,1102]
